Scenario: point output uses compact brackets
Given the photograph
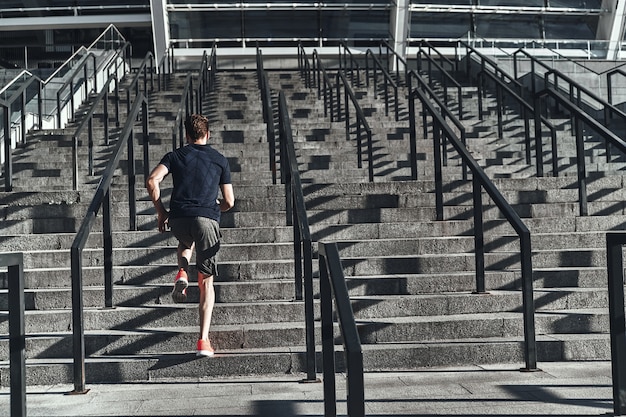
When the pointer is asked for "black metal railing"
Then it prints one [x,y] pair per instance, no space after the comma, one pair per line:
[388,82]
[609,82]
[333,288]
[446,79]
[577,93]
[581,119]
[268,113]
[144,73]
[446,113]
[185,108]
[297,217]
[528,112]
[191,100]
[316,76]
[87,122]
[32,88]
[480,181]
[615,242]
[102,201]
[206,77]
[63,97]
[19,96]
[349,63]
[360,122]
[485,63]
[14,262]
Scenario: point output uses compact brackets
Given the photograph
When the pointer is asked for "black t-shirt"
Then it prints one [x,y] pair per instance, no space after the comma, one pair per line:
[197,172]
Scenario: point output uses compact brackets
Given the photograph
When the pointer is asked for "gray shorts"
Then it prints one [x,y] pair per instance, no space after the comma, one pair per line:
[205,233]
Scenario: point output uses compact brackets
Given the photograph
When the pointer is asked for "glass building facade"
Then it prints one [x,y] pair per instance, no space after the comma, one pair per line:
[186,24]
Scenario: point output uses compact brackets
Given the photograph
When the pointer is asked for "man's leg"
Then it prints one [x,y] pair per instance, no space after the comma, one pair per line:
[207,301]
[184,252]
[184,256]
[205,310]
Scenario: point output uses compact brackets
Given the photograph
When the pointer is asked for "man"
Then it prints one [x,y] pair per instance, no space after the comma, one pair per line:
[199,173]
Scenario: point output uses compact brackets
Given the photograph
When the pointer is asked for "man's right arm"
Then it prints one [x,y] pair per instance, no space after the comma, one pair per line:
[228,197]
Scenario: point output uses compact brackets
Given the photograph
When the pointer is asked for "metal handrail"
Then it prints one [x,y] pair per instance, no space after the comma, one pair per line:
[442,58]
[185,108]
[609,82]
[333,287]
[486,63]
[142,70]
[14,261]
[87,121]
[527,110]
[446,78]
[388,81]
[615,242]
[268,114]
[20,94]
[349,63]
[580,118]
[481,181]
[447,113]
[206,82]
[297,217]
[70,83]
[102,201]
[324,86]
[361,122]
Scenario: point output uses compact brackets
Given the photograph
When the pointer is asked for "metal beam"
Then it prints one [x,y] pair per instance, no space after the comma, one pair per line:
[74,22]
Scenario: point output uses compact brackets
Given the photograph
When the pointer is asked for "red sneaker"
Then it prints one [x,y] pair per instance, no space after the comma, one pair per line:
[179,294]
[205,348]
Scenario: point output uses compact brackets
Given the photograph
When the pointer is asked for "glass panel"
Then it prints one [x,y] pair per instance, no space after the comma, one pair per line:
[355,24]
[577,4]
[281,24]
[507,26]
[524,3]
[270,2]
[570,27]
[205,25]
[26,4]
[440,25]
[446,2]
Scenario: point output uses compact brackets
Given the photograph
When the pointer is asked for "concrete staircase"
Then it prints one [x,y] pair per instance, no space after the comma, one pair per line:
[411,277]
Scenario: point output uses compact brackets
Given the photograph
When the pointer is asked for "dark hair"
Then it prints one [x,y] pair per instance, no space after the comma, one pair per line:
[196,126]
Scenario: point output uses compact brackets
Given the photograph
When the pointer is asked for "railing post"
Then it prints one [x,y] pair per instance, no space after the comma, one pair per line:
[8,160]
[614,244]
[528,302]
[107,238]
[145,128]
[132,180]
[582,172]
[328,340]
[78,331]
[479,240]
[17,335]
[412,135]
